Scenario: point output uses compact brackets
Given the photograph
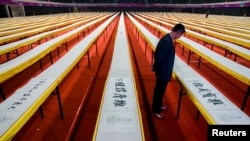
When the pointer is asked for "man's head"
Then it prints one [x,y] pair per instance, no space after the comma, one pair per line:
[177,31]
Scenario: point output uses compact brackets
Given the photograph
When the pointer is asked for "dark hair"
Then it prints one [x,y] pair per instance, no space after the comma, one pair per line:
[179,27]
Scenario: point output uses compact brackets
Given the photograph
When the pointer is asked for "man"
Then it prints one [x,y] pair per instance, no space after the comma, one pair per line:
[207,13]
[163,66]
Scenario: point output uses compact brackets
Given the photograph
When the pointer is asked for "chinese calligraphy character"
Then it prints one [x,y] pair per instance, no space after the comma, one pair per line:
[197,84]
[201,90]
[119,103]
[215,101]
[209,94]
[119,84]
[116,95]
[120,89]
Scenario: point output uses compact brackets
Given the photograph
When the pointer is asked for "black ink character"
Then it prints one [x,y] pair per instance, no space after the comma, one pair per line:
[121,96]
[119,103]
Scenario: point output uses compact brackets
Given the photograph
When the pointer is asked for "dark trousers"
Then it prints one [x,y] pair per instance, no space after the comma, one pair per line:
[159,90]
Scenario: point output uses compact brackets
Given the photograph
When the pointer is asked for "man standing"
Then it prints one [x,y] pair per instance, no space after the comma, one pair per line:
[163,66]
[207,13]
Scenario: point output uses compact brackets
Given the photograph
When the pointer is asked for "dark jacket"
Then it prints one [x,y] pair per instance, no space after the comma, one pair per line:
[164,58]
